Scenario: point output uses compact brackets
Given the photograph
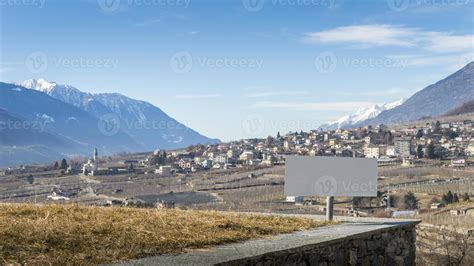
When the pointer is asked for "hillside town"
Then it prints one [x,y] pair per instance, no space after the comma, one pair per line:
[448,142]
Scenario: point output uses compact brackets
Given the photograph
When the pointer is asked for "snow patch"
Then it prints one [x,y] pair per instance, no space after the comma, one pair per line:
[363,114]
[46,118]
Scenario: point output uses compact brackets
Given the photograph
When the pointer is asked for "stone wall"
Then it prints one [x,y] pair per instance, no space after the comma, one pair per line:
[354,241]
[384,247]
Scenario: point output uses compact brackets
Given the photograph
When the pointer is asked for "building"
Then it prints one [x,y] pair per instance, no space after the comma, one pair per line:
[246,155]
[436,205]
[458,212]
[288,145]
[402,148]
[470,148]
[391,151]
[458,162]
[295,199]
[372,151]
[207,164]
[186,163]
[90,168]
[164,171]
[221,158]
[232,154]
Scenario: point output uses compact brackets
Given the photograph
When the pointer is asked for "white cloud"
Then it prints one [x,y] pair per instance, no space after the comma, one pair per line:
[366,36]
[197,96]
[451,61]
[447,43]
[274,93]
[370,35]
[322,106]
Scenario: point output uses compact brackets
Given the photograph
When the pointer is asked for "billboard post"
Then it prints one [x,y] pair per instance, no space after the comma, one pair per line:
[329,208]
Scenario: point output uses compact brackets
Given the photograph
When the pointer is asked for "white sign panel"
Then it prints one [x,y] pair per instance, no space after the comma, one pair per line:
[330,176]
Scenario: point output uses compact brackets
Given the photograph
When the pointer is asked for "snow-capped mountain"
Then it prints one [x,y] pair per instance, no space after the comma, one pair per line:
[361,115]
[432,101]
[51,126]
[145,123]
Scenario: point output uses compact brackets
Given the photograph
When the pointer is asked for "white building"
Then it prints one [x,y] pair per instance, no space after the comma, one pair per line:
[402,148]
[391,151]
[295,199]
[207,164]
[91,166]
[164,171]
[372,151]
[246,155]
[221,158]
[470,148]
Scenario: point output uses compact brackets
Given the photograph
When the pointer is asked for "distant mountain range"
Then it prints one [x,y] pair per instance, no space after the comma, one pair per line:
[361,115]
[60,120]
[434,100]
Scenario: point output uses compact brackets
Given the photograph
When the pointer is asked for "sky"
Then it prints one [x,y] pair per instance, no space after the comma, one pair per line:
[240,68]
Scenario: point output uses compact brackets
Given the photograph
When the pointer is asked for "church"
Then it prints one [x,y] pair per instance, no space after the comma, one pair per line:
[90,168]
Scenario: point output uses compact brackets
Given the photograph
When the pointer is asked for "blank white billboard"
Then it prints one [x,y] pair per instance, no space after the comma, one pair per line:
[330,176]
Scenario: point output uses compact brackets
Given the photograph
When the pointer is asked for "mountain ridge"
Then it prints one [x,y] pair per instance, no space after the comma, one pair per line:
[133,115]
[434,100]
[361,115]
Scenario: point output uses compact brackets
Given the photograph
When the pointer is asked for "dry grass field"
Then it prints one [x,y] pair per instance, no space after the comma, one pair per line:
[73,234]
